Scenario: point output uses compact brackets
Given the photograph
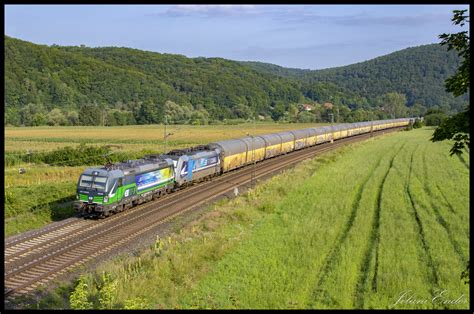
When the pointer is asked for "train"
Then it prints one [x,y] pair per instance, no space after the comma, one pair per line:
[116,187]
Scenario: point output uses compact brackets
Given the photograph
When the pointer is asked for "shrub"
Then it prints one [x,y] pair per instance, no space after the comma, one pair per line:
[79,297]
[417,124]
[12,159]
[81,155]
[107,291]
[136,304]
[435,119]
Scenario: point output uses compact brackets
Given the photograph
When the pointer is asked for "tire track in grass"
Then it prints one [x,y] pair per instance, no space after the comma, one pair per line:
[439,217]
[373,246]
[425,170]
[451,208]
[433,276]
[333,254]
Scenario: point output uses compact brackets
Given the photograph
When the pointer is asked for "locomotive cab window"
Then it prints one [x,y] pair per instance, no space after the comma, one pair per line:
[93,182]
[86,181]
[99,183]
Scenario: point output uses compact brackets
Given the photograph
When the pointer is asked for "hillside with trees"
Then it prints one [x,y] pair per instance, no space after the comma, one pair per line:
[78,85]
[133,84]
[417,72]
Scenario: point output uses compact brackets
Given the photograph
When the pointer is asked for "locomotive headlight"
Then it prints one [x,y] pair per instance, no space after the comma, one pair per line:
[77,196]
[106,199]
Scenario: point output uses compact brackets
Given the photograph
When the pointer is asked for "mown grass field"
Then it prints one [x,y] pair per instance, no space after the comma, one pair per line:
[43,194]
[379,224]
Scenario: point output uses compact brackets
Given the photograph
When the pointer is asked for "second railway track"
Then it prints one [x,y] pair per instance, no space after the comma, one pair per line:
[47,253]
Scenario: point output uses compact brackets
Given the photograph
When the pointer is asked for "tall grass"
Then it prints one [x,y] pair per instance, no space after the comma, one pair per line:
[34,205]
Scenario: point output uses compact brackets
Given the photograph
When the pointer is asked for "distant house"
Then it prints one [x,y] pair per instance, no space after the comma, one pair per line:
[308,107]
[328,105]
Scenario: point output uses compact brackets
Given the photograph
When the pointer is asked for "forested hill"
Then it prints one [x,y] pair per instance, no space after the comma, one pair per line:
[417,72]
[269,68]
[136,81]
[92,86]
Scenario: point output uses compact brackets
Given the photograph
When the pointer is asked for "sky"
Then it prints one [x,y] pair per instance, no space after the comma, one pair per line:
[296,36]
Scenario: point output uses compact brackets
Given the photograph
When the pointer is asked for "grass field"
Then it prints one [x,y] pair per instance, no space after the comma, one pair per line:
[136,137]
[43,194]
[380,224]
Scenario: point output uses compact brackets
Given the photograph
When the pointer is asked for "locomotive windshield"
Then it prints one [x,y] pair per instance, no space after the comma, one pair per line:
[94,182]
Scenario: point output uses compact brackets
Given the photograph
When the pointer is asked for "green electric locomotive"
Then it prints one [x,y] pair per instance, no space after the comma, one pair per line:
[116,187]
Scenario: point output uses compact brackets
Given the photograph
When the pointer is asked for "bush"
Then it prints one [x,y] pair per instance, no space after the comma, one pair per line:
[107,291]
[215,122]
[78,298]
[435,119]
[12,159]
[417,124]
[136,304]
[233,121]
[305,117]
[434,116]
[82,155]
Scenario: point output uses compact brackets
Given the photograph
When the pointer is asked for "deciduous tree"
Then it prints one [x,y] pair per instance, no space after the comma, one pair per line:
[395,105]
[457,127]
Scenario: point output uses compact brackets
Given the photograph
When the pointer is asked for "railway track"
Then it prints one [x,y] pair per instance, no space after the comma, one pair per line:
[41,256]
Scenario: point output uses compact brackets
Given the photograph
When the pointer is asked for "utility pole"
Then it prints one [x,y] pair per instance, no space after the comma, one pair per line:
[253,152]
[371,124]
[29,152]
[165,135]
[252,176]
[332,130]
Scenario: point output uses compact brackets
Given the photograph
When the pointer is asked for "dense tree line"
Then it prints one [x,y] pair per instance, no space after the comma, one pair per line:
[55,85]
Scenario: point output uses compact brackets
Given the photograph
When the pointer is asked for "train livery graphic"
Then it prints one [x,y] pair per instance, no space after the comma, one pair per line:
[116,187]
[200,164]
[152,179]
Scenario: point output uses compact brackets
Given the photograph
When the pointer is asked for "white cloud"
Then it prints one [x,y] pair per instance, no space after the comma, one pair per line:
[203,8]
[217,10]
